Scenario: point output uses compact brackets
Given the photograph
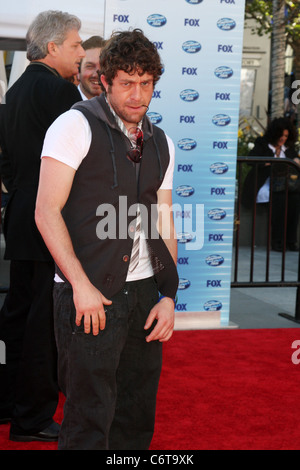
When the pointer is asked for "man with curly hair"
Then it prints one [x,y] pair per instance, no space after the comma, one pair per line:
[100,196]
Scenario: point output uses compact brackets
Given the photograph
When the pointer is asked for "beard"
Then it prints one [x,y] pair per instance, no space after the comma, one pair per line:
[126,111]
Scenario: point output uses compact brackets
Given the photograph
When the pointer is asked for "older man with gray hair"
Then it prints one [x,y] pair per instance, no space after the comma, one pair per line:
[29,391]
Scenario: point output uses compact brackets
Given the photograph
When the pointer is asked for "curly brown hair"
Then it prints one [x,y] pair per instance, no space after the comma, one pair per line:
[131,52]
[277,127]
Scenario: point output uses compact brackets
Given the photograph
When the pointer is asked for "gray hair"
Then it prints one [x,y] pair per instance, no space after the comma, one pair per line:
[49,26]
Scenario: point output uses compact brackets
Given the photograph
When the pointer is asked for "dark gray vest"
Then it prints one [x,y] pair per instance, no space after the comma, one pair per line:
[104,191]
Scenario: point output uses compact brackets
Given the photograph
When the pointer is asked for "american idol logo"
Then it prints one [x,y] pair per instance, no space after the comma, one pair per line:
[191,47]
[214,260]
[184,237]
[185,190]
[155,118]
[194,2]
[223,72]
[212,305]
[218,168]
[226,24]
[184,284]
[189,95]
[187,144]
[221,120]
[156,20]
[216,214]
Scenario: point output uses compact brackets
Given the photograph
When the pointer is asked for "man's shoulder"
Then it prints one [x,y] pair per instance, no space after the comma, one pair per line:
[159,134]
[59,90]
[39,77]
[57,82]
[44,94]
[93,109]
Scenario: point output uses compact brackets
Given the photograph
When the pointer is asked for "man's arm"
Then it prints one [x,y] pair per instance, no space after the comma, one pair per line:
[164,311]
[55,183]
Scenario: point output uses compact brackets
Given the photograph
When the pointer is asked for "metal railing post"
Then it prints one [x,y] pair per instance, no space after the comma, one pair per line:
[266,283]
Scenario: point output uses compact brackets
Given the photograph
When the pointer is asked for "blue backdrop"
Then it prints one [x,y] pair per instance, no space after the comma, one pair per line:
[196,102]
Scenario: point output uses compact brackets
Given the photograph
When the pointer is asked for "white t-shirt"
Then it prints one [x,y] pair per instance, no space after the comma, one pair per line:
[263,194]
[68,140]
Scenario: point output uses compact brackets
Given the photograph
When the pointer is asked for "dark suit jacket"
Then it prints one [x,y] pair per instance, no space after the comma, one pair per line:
[35,100]
[260,149]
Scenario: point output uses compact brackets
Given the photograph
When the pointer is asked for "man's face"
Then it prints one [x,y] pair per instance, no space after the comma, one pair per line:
[129,95]
[88,77]
[69,55]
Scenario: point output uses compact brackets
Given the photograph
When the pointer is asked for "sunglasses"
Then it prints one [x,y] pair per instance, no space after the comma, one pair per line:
[136,137]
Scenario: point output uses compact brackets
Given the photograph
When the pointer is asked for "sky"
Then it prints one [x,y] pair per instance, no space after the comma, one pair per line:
[16,15]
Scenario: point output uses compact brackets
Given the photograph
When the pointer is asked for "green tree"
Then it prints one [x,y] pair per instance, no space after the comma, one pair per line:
[281,20]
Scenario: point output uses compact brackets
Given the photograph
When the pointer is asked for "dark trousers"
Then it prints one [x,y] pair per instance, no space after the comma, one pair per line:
[28,380]
[110,380]
[278,211]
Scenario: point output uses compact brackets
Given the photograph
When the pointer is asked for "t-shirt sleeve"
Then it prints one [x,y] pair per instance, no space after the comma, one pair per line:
[168,178]
[68,139]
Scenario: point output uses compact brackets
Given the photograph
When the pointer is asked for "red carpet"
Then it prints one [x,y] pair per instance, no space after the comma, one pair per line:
[222,390]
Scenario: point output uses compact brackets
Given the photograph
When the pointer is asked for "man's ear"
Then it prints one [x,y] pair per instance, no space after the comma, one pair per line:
[104,82]
[52,48]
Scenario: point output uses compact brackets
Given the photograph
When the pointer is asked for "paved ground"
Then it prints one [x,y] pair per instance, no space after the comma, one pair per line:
[259,307]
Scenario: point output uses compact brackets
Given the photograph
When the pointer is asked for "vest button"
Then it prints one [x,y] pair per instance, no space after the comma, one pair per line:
[125,258]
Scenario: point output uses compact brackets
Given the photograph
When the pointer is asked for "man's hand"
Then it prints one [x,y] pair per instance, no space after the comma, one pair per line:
[164,313]
[89,303]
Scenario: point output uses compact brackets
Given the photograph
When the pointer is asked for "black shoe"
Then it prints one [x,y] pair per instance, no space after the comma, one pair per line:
[50,434]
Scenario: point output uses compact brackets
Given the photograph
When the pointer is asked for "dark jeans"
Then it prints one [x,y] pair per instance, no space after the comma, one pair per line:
[28,380]
[110,380]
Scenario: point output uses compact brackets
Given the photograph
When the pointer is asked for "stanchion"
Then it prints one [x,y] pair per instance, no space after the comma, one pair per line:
[296,318]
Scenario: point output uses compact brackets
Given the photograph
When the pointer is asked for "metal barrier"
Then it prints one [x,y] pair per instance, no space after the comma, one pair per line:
[255,162]
[251,282]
